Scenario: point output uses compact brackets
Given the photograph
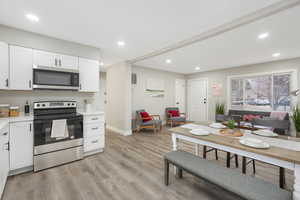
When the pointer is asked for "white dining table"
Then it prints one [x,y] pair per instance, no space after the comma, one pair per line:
[282,152]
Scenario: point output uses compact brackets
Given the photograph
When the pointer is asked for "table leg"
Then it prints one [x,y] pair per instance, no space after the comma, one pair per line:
[197,149]
[296,193]
[174,142]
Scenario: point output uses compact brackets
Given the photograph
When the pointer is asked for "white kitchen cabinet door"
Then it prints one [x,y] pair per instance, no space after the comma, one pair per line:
[45,59]
[21,145]
[89,75]
[68,62]
[20,70]
[4,157]
[4,65]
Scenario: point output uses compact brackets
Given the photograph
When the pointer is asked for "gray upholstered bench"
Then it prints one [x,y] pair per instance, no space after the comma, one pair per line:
[245,186]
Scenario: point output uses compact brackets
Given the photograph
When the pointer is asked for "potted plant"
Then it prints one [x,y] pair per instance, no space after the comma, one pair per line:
[220,112]
[296,119]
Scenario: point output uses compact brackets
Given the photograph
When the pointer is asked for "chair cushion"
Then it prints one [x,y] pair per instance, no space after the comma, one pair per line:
[178,119]
[174,113]
[146,117]
[245,186]
[152,122]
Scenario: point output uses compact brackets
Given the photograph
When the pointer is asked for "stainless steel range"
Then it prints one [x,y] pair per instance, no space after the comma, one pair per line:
[58,134]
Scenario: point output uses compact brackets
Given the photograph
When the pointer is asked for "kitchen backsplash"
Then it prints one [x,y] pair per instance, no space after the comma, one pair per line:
[19,98]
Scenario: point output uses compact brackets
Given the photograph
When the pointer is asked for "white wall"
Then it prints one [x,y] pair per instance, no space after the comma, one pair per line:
[220,77]
[32,40]
[118,107]
[153,105]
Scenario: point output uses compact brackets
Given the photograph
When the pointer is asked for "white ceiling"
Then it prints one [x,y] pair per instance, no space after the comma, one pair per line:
[144,25]
[238,47]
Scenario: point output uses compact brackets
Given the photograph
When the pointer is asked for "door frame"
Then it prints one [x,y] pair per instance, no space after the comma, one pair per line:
[187,92]
[184,95]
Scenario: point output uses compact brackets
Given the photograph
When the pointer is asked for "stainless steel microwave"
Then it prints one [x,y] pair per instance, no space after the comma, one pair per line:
[52,78]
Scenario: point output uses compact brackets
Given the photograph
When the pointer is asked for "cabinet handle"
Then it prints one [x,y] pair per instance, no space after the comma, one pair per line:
[6,82]
[96,118]
[55,62]
[80,86]
[96,128]
[95,141]
[29,83]
[59,61]
[6,133]
[30,127]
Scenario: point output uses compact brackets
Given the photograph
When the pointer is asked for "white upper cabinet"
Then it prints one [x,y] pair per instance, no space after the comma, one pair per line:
[45,59]
[68,62]
[4,66]
[20,70]
[21,145]
[89,75]
[49,59]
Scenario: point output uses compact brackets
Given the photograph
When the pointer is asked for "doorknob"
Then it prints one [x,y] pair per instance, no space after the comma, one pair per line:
[177,103]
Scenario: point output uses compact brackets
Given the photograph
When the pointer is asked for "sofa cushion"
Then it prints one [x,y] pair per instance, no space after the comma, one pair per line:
[178,119]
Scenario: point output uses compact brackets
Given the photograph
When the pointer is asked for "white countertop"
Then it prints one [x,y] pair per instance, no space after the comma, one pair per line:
[21,118]
[3,122]
[91,113]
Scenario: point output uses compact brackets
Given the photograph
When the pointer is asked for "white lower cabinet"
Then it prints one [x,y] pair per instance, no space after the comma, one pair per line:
[4,157]
[21,145]
[94,133]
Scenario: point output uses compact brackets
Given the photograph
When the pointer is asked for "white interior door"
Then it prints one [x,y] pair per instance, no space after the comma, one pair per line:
[197,100]
[180,94]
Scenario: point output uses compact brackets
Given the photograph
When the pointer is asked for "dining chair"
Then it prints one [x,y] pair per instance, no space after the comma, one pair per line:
[150,122]
[229,157]
[274,124]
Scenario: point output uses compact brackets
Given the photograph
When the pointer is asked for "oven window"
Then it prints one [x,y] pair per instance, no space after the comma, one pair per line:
[43,77]
[42,131]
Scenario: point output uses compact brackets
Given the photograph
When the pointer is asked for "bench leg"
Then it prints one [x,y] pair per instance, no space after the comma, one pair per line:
[281,177]
[228,160]
[179,171]
[244,165]
[167,167]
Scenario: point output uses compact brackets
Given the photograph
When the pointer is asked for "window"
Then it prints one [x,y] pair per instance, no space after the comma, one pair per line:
[265,92]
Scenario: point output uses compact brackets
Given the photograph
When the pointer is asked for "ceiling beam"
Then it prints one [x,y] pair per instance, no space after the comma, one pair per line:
[241,21]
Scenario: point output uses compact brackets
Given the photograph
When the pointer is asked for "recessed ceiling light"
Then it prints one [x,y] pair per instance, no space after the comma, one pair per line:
[197,68]
[32,17]
[263,35]
[121,43]
[168,61]
[275,55]
[101,63]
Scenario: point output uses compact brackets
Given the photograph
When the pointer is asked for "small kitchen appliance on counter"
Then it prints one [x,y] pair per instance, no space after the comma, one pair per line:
[58,134]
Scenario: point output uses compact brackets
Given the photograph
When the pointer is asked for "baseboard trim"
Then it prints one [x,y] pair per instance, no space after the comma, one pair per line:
[120,131]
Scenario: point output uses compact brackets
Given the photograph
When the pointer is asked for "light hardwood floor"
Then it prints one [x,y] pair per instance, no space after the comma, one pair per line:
[130,168]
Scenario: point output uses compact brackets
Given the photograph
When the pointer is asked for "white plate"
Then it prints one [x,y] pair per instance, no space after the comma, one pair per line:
[265,133]
[199,132]
[217,125]
[255,143]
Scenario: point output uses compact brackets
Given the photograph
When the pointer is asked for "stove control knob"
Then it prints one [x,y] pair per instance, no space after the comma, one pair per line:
[43,105]
[68,104]
[37,105]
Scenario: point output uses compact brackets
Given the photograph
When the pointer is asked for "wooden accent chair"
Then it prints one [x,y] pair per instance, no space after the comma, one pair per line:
[154,122]
[174,120]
